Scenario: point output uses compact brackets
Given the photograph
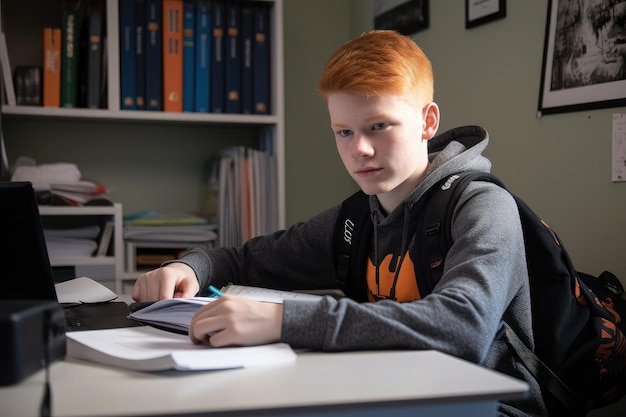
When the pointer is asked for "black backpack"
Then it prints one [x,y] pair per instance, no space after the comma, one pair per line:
[580,347]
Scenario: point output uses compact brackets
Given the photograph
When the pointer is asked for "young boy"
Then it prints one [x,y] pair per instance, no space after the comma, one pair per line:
[379,92]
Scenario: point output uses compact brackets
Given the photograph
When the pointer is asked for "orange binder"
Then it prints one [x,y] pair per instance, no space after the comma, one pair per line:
[52,67]
[173,55]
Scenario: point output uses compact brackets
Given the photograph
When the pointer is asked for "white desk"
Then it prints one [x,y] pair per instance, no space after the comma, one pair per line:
[371,384]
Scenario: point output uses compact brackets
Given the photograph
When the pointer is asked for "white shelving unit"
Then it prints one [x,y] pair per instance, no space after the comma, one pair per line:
[116,259]
[24,41]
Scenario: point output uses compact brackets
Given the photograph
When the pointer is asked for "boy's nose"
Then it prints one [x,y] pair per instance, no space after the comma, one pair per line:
[363,146]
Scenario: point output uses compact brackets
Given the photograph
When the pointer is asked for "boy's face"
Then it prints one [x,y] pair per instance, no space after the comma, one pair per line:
[382,142]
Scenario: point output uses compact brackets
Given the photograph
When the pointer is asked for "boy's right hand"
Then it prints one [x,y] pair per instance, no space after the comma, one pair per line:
[176,280]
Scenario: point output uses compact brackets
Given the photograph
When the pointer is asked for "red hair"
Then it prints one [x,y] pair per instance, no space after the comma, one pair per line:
[377,63]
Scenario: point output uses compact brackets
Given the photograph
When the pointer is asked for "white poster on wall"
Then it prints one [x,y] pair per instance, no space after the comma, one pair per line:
[619,147]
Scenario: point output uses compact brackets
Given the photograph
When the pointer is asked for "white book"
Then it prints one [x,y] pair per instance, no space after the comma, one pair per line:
[105,239]
[149,349]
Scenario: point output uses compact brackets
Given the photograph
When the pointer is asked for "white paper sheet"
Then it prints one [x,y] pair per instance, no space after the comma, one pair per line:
[83,290]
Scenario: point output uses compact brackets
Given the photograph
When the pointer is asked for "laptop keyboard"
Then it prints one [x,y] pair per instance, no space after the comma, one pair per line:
[93,316]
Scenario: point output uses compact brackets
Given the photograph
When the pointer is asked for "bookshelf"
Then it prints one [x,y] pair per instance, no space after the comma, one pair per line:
[22,25]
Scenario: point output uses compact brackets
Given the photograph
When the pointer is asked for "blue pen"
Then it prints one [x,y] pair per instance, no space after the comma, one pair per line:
[215,291]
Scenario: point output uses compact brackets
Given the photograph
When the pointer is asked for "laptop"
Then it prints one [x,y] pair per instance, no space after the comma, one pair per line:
[26,273]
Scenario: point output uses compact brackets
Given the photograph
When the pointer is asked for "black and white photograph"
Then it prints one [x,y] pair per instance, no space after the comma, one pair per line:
[404,16]
[584,55]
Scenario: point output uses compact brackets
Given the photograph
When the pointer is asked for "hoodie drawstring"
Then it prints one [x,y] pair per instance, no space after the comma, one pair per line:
[403,252]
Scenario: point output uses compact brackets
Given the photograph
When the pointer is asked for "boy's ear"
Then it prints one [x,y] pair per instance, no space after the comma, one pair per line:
[430,117]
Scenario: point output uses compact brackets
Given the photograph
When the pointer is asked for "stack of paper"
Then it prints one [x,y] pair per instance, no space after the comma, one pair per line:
[71,242]
[150,349]
[82,192]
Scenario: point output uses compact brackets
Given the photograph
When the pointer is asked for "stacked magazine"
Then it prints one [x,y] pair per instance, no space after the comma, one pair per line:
[157,237]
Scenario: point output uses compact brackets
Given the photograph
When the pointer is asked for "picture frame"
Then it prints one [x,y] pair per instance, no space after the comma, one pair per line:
[479,12]
[582,69]
[405,16]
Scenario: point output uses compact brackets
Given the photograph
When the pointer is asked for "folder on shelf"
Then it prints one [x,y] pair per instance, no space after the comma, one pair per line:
[52,67]
[189,55]
[173,55]
[154,55]
[203,56]
[70,28]
[95,61]
[128,47]
[218,65]
[261,61]
[140,54]
[233,58]
[247,42]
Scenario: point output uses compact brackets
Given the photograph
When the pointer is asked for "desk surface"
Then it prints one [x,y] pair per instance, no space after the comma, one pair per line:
[314,383]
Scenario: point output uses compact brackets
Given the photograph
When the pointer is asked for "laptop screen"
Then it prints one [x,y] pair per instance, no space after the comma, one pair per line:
[25,271]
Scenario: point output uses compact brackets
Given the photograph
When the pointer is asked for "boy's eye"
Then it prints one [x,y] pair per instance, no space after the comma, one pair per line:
[379,126]
[344,132]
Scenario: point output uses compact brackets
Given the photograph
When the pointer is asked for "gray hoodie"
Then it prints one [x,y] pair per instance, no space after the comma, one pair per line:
[484,280]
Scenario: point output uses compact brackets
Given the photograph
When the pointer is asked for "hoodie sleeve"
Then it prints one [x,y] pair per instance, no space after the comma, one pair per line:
[484,273]
[298,258]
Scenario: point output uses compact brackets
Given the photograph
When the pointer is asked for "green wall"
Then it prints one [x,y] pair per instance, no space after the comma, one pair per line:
[315,177]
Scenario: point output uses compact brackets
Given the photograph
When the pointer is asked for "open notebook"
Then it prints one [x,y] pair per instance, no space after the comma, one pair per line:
[26,270]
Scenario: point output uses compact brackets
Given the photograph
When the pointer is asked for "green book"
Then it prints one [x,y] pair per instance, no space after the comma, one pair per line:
[71,27]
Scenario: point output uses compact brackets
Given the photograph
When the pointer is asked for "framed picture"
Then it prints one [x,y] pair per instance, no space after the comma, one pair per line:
[583,59]
[478,12]
[404,16]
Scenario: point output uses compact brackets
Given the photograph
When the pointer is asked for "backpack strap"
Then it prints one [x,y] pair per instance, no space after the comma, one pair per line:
[543,374]
[351,237]
[436,233]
